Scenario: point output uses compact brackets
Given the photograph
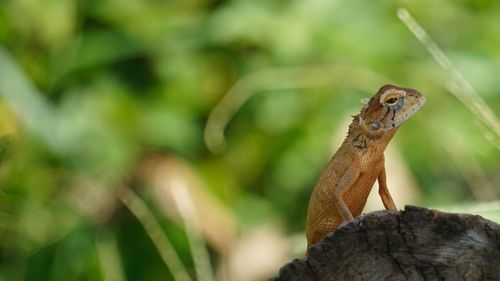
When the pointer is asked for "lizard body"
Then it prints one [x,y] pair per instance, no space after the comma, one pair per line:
[341,191]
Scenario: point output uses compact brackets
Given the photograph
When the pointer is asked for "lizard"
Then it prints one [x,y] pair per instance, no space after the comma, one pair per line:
[340,193]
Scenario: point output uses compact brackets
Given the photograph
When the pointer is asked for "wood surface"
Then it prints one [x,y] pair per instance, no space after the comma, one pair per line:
[414,244]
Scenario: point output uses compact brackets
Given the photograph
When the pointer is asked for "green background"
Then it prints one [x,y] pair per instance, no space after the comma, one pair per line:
[90,87]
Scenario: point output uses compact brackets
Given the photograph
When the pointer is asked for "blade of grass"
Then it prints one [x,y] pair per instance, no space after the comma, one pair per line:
[109,257]
[460,87]
[192,225]
[154,230]
[300,77]
[30,106]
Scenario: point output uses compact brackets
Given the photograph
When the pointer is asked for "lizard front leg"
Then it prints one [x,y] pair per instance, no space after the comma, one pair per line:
[347,180]
[383,191]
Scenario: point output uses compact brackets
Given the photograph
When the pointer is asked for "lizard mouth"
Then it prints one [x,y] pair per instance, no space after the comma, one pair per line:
[405,115]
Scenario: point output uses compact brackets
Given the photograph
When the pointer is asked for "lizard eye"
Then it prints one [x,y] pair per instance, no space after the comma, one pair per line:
[391,101]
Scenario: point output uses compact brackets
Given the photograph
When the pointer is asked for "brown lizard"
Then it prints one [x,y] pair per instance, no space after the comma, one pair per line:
[341,192]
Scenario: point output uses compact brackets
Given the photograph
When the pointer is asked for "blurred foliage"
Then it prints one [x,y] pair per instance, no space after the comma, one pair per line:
[87,87]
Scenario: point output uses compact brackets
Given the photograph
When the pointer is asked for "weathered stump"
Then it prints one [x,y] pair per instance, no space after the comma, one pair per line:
[414,244]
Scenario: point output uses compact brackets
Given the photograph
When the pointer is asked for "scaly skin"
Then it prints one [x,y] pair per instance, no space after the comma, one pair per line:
[341,192]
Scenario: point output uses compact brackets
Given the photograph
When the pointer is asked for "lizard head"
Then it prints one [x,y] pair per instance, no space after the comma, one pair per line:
[389,108]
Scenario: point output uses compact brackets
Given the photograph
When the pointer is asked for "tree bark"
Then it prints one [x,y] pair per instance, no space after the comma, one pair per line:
[414,244]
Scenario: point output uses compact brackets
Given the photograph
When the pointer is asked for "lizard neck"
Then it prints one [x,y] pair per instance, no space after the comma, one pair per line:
[366,142]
